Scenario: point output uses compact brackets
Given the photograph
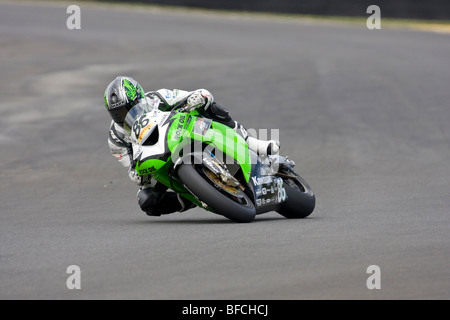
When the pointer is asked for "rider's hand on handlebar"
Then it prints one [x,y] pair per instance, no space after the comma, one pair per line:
[195,101]
[134,176]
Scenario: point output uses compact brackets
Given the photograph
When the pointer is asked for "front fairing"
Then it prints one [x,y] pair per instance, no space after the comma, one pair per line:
[144,107]
[150,149]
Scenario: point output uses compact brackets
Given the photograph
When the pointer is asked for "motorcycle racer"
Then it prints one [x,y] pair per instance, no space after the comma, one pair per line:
[122,94]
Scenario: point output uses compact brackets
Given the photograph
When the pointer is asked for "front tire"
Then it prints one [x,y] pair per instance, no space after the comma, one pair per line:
[219,202]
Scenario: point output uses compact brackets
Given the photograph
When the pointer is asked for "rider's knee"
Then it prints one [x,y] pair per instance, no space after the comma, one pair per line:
[148,199]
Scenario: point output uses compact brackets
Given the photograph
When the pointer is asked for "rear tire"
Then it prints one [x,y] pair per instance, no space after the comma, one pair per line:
[301,200]
[220,203]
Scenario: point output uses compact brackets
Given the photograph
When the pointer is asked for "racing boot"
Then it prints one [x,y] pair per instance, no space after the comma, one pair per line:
[260,147]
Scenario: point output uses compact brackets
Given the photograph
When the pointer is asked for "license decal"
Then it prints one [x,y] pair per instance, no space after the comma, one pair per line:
[202,126]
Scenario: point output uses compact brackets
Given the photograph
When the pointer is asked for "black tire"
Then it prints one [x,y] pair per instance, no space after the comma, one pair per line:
[301,200]
[220,203]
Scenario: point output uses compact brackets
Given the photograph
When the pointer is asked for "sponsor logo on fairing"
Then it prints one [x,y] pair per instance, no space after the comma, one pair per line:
[145,130]
[147,171]
[262,180]
[202,126]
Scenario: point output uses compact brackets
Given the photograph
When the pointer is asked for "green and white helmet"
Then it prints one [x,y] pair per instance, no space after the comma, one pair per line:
[121,95]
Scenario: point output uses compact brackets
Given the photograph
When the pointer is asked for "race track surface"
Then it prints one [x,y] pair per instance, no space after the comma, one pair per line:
[365,114]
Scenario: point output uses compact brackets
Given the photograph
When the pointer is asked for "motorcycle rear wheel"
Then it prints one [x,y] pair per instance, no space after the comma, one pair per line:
[301,200]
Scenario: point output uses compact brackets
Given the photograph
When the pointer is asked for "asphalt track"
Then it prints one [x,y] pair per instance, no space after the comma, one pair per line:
[364,113]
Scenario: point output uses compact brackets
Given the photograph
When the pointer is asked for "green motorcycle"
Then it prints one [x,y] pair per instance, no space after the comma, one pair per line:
[212,166]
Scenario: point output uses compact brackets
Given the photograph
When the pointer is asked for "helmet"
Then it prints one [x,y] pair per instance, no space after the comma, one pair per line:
[121,95]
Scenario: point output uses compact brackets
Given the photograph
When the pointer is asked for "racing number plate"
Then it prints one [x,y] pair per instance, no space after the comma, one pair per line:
[269,191]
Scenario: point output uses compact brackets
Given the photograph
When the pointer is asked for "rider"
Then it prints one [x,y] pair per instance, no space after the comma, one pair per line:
[122,94]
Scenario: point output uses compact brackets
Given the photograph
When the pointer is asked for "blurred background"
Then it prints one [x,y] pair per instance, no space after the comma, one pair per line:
[364,113]
[406,9]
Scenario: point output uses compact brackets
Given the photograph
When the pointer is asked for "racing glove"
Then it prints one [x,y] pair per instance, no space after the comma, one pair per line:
[136,178]
[199,99]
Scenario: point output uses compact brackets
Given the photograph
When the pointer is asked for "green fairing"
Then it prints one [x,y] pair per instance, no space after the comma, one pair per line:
[149,166]
[177,131]
[222,137]
[180,135]
[230,143]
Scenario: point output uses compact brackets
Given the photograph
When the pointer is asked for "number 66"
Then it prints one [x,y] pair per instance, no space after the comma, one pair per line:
[281,191]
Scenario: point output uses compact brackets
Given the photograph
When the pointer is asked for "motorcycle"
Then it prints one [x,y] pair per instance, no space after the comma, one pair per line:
[212,166]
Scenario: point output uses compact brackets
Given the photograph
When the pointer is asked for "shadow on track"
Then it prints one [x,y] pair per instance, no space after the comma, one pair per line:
[217,221]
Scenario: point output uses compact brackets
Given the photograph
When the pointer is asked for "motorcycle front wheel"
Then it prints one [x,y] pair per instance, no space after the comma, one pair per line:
[238,208]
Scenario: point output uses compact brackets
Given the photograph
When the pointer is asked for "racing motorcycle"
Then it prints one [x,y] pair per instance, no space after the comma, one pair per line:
[212,166]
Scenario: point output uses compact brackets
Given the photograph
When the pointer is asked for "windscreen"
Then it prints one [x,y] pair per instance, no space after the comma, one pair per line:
[138,110]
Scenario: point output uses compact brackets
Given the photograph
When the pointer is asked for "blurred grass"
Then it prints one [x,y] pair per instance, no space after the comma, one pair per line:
[437,26]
